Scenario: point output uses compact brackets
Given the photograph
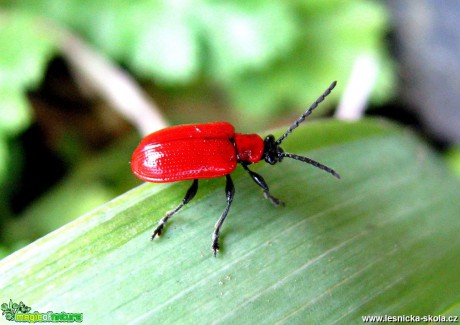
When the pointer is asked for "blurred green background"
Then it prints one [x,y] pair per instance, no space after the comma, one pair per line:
[65,146]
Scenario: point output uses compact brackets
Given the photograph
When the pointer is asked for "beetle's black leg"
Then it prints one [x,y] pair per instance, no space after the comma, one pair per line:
[230,192]
[188,197]
[261,182]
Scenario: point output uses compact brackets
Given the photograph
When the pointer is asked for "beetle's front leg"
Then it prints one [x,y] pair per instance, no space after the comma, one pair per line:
[259,180]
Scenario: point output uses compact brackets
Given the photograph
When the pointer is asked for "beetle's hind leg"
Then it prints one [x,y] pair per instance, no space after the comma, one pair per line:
[230,193]
[259,180]
[188,197]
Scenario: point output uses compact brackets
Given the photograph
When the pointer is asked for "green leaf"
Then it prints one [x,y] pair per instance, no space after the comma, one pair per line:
[383,240]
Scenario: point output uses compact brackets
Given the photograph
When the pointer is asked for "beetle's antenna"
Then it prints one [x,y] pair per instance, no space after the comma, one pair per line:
[311,162]
[307,112]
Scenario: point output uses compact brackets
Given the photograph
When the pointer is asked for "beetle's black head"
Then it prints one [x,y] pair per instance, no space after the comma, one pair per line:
[273,153]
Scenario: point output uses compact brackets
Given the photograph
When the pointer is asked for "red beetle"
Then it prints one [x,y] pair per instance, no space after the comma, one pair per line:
[211,150]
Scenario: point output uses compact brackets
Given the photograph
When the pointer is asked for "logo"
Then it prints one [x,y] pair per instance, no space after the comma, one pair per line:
[21,313]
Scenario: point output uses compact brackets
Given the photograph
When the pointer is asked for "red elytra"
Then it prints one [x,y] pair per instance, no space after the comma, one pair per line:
[197,151]
[193,152]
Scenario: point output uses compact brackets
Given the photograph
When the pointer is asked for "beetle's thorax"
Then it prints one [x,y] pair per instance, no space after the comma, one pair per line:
[249,147]
[272,151]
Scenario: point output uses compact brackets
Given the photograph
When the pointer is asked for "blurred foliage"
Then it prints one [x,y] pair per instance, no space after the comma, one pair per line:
[22,62]
[263,53]
[3,252]
[453,160]
[23,58]
[92,183]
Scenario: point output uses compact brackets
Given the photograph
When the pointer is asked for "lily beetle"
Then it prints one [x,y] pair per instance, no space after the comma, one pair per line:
[196,151]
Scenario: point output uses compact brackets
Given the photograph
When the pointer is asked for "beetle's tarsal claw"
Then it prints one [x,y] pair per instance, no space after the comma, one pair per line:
[275,201]
[215,247]
[157,232]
